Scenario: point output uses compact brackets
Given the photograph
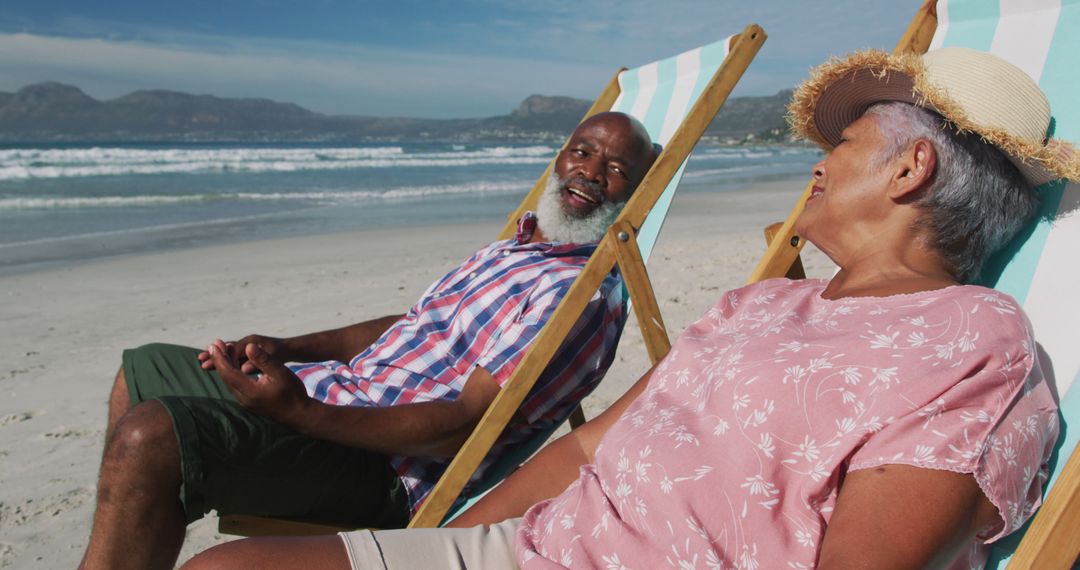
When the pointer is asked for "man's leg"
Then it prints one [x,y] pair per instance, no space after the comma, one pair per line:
[203,451]
[119,403]
[139,521]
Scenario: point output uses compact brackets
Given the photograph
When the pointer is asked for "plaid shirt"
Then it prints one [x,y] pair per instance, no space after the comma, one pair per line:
[484,313]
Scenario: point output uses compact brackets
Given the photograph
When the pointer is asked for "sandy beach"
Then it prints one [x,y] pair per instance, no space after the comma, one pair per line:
[63,331]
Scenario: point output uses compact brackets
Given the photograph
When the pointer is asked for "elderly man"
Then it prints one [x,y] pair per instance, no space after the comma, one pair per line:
[355,425]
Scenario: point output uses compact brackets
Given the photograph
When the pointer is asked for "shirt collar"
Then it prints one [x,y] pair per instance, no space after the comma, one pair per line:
[526,228]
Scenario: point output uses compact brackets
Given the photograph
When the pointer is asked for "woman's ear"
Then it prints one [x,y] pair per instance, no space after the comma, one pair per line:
[914,169]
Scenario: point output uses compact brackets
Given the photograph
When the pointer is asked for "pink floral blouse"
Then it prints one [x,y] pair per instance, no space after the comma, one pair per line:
[731,457]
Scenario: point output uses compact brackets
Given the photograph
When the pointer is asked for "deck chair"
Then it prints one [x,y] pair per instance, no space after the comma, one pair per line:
[676,99]
[1041,269]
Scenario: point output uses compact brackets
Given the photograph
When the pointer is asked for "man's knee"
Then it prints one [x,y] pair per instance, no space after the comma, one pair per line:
[144,433]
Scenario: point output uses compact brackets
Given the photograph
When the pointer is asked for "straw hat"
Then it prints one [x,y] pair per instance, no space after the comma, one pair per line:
[975,91]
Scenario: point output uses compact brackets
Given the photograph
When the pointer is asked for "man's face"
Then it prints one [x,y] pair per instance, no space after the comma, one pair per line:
[593,177]
[603,162]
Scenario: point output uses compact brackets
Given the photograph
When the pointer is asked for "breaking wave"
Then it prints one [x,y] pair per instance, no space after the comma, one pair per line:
[333,197]
[23,164]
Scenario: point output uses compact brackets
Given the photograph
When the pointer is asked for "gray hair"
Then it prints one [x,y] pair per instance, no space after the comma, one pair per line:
[976,200]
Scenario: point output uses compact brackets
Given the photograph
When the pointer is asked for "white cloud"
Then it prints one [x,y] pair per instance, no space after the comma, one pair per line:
[477,68]
[643,29]
[331,78]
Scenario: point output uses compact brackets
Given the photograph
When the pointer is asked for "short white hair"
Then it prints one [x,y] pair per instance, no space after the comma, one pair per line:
[976,200]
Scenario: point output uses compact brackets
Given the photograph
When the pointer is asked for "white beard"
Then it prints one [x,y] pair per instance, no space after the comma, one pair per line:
[557,225]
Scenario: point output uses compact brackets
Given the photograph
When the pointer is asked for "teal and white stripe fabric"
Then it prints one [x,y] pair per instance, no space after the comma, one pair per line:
[660,95]
[1042,270]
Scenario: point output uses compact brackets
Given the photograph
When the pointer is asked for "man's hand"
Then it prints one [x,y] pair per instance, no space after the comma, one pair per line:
[270,345]
[276,393]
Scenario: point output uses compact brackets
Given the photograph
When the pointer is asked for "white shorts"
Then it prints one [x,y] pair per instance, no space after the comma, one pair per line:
[479,547]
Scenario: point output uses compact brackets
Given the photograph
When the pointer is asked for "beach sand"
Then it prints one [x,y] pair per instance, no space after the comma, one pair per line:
[63,331]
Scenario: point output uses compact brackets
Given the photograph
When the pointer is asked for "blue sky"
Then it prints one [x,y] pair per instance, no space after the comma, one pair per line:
[467,58]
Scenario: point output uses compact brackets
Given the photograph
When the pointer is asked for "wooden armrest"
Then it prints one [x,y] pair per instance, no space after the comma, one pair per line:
[796,270]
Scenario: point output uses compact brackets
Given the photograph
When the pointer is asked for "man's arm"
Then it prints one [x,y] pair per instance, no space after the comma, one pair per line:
[551,470]
[899,516]
[423,429]
[340,344]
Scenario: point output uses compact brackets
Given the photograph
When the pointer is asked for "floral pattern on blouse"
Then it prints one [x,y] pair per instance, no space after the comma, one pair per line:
[731,457]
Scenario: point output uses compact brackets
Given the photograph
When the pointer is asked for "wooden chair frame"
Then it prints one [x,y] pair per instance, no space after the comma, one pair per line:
[1053,538]
[619,246]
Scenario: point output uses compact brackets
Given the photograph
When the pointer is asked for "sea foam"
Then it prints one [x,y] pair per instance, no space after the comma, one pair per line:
[24,164]
[323,197]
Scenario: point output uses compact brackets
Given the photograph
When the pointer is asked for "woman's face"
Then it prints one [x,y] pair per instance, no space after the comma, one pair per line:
[848,198]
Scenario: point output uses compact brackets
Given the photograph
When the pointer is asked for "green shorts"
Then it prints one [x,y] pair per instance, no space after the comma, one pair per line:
[239,462]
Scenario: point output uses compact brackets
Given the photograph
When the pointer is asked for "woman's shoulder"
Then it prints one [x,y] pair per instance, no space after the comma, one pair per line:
[780,285]
[985,305]
[765,292]
[982,307]
[979,316]
[980,293]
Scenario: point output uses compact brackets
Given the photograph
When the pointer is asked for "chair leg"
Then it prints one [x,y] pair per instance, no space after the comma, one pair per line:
[1053,539]
[577,417]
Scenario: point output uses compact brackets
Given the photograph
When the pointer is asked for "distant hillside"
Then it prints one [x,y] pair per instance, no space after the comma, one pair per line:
[55,111]
[759,117]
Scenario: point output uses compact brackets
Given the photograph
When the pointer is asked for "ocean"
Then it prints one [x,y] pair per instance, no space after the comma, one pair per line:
[70,203]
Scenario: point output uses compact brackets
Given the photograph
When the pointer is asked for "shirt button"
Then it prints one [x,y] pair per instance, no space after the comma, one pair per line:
[506,252]
[472,275]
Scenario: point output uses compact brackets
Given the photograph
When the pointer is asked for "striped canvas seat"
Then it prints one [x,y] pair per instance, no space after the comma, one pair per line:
[659,95]
[1042,269]
[675,99]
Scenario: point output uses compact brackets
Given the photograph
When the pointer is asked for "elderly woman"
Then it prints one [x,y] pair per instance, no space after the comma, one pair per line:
[891,416]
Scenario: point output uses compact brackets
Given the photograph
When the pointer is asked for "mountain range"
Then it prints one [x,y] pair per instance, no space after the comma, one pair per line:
[53,111]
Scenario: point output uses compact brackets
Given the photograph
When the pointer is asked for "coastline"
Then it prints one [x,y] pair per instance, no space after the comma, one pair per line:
[65,328]
[61,206]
